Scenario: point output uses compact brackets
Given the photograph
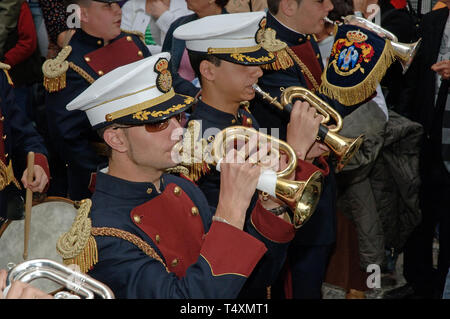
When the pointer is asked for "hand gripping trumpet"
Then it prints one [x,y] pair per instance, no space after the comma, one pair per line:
[75,281]
[343,147]
[404,52]
[301,196]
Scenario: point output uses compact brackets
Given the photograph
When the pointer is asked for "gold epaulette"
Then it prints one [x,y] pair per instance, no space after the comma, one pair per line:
[78,246]
[55,70]
[193,152]
[283,60]
[139,34]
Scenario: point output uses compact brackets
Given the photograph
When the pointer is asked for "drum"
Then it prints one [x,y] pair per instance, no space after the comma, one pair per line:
[49,220]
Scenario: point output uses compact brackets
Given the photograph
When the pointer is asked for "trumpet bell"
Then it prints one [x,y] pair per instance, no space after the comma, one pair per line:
[405,52]
[301,196]
[343,147]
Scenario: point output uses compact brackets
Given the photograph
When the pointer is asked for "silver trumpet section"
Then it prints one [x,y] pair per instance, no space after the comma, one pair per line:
[80,284]
[404,52]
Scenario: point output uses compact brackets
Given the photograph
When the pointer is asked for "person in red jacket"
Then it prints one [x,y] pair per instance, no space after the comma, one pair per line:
[20,51]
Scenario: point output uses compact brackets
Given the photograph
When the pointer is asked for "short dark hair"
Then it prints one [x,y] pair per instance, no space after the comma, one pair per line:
[195,58]
[83,3]
[222,3]
[274,5]
[107,150]
[341,8]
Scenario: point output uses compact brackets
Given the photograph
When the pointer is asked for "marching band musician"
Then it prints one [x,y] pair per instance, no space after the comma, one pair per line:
[227,60]
[290,28]
[95,49]
[154,234]
[18,138]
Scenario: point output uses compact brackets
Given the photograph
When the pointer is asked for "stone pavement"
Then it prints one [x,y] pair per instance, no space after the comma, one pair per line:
[388,282]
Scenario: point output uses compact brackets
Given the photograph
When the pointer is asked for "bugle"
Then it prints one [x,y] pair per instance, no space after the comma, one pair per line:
[75,281]
[301,196]
[343,147]
[404,52]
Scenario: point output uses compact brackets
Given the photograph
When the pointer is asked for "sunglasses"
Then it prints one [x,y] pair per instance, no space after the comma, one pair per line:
[161,125]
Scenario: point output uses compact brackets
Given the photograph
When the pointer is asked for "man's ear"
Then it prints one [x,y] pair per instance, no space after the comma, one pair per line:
[84,16]
[208,70]
[116,139]
[288,7]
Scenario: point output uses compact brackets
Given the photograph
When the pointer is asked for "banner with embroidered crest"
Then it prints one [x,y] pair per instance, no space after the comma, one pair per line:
[359,60]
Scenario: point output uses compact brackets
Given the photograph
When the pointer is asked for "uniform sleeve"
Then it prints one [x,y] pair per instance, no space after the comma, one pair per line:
[25,137]
[227,257]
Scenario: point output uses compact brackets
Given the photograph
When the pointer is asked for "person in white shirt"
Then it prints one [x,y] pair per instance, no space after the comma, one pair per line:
[152,18]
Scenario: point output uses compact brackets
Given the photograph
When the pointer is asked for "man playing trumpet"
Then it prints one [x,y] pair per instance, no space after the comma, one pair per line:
[153,234]
[227,61]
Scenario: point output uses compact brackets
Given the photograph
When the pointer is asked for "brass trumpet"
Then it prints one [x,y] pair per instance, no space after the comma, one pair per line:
[77,282]
[301,196]
[343,147]
[404,52]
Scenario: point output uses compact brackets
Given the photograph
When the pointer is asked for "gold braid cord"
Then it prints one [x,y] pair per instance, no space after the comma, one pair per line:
[77,246]
[303,68]
[81,72]
[135,240]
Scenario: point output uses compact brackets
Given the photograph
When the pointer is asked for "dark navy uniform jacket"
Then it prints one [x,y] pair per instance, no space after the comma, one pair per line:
[204,258]
[212,121]
[71,131]
[320,229]
[18,137]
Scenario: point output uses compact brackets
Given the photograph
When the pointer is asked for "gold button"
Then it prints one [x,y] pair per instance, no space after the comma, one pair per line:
[2,118]
[233,121]
[158,239]
[140,53]
[108,117]
[149,190]
[174,262]
[6,155]
[100,73]
[4,137]
[194,211]
[137,219]
[249,121]
[88,59]
[129,38]
[177,191]
[99,42]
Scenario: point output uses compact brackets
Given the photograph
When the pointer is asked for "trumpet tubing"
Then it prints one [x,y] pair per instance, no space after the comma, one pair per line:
[81,284]
[343,147]
[301,196]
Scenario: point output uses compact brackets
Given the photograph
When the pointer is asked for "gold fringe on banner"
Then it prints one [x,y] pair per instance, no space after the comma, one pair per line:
[363,90]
